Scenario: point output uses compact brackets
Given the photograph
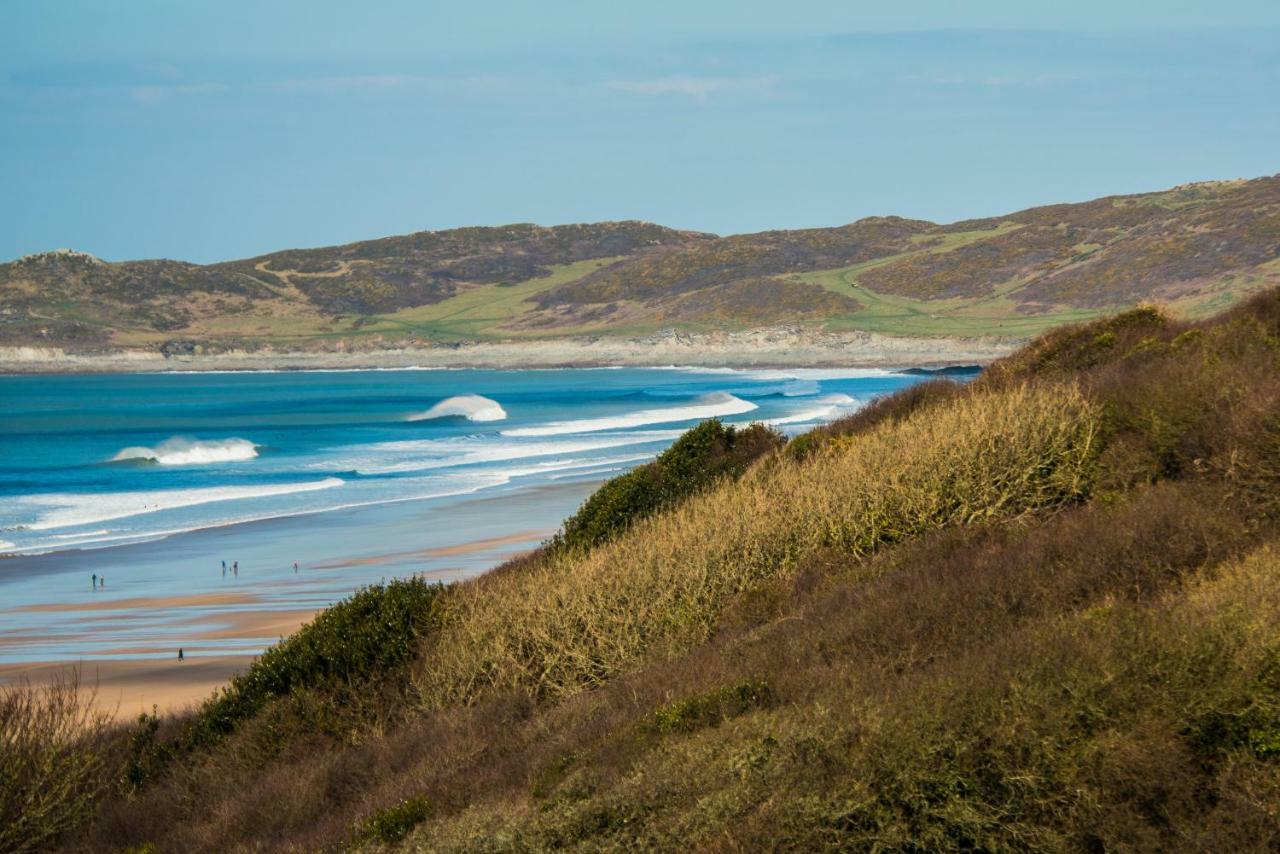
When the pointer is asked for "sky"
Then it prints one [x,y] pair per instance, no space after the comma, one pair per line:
[207,131]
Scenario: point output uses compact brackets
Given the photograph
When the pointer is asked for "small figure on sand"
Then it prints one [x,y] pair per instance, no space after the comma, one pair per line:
[235,568]
[224,569]
[102,582]
[180,656]
[295,567]
[95,581]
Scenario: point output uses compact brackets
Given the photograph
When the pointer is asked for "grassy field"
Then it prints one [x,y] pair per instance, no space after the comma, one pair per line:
[997,314]
[889,314]
[475,313]
[478,312]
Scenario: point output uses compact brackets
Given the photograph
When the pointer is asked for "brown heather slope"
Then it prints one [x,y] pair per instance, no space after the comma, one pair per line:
[1036,612]
[1196,249]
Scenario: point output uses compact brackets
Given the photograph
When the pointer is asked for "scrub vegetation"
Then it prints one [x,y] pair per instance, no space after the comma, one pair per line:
[1197,249]
[1036,612]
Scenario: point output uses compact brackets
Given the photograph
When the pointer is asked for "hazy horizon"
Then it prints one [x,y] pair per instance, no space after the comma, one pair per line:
[144,131]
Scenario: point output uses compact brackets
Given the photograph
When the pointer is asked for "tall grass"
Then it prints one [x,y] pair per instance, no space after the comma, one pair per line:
[572,623]
[698,459]
[53,765]
[1124,724]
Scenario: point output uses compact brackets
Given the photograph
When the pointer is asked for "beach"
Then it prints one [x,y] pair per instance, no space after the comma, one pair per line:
[127,645]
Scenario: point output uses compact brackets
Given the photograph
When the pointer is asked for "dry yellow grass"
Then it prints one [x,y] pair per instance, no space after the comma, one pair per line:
[572,623]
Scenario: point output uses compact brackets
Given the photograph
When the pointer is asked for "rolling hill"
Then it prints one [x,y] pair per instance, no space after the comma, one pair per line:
[1196,249]
[1038,611]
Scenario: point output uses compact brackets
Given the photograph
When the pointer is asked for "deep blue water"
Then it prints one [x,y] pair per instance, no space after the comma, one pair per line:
[211,449]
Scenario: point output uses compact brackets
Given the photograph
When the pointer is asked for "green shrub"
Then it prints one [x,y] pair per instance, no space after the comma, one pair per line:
[368,637]
[696,460]
[709,709]
[392,824]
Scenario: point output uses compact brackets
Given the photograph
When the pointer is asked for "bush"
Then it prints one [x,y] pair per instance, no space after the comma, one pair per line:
[698,459]
[54,763]
[709,709]
[392,824]
[366,638]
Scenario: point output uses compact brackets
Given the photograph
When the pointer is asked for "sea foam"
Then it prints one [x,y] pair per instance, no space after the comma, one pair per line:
[428,454]
[181,451]
[65,510]
[712,405]
[829,406]
[472,407]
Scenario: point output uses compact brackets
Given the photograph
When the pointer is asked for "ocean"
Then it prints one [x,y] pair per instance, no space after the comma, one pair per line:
[152,481]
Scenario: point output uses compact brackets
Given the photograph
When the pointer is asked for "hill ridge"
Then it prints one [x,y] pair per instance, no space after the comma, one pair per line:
[1196,248]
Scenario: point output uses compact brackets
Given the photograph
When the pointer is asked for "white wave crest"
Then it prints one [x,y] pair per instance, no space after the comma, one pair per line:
[831,404]
[472,407]
[709,406]
[181,451]
[65,510]
[429,454]
[5,545]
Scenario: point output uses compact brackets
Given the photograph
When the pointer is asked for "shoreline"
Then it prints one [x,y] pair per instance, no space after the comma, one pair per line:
[783,347]
[125,643]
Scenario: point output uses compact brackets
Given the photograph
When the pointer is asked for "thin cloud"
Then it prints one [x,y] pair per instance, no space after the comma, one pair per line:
[697,88]
[152,94]
[383,83]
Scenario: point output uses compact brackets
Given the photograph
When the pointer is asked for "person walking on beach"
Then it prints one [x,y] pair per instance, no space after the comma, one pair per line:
[180,658]
[235,568]
[224,569]
[95,581]
[295,567]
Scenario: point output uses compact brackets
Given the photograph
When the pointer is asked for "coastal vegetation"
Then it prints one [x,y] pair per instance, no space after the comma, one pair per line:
[1037,611]
[1196,249]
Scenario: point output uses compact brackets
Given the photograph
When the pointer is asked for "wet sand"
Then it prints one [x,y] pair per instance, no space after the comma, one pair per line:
[438,551]
[131,679]
[131,642]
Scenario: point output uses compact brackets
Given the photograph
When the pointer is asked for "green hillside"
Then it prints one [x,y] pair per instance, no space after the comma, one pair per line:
[1195,249]
[1036,612]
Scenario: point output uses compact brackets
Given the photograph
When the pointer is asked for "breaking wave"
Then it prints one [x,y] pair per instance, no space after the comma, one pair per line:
[829,405]
[180,451]
[472,407]
[65,510]
[712,405]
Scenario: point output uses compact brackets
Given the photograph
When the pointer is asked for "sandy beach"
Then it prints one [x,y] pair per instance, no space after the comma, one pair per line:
[125,688]
[139,669]
[780,347]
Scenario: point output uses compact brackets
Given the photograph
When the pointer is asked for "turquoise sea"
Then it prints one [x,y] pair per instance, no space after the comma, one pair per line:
[151,481]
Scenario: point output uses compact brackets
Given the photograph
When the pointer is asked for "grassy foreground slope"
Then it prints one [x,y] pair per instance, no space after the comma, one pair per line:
[1196,249]
[1037,612]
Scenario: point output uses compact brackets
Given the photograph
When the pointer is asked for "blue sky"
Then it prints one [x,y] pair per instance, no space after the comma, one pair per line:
[206,131]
